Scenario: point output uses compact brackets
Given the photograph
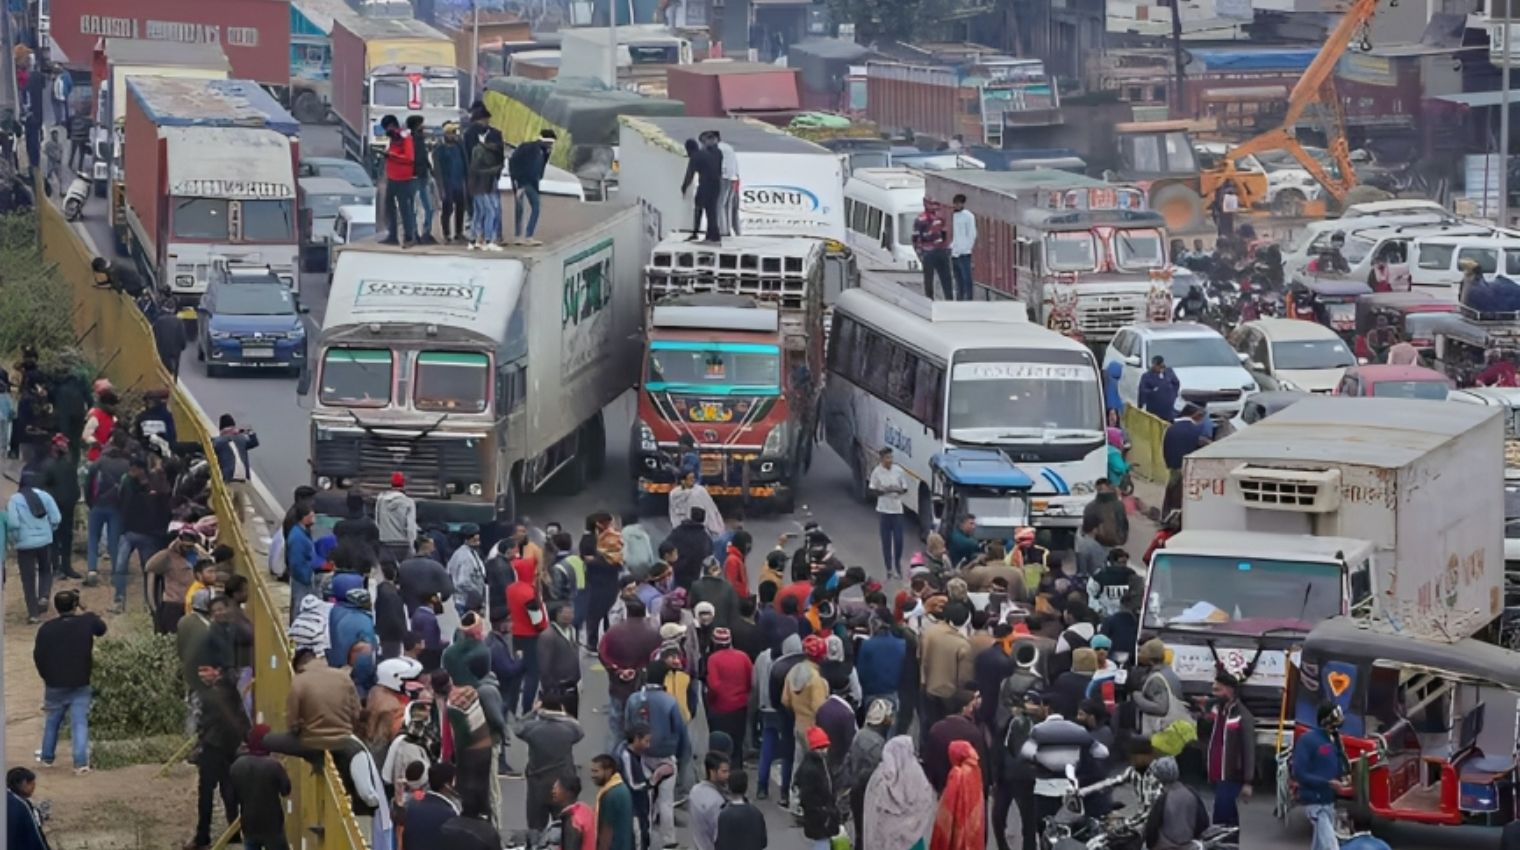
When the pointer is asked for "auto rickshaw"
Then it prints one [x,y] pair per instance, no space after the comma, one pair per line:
[1430,728]
[1334,300]
[1460,347]
[982,483]
[1398,308]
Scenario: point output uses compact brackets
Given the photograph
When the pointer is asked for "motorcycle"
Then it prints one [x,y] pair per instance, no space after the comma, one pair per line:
[79,190]
[1074,829]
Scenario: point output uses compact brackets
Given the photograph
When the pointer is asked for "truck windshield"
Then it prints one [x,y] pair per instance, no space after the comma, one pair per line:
[440,96]
[201,218]
[390,91]
[1071,252]
[253,299]
[268,221]
[1138,250]
[357,377]
[721,368]
[456,381]
[1015,395]
[1242,595]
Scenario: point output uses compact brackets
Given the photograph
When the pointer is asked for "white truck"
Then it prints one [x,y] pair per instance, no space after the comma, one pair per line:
[644,51]
[479,377]
[1386,508]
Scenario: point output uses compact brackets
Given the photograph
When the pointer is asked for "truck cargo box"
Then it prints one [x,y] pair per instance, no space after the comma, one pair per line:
[724,89]
[584,114]
[254,33]
[359,45]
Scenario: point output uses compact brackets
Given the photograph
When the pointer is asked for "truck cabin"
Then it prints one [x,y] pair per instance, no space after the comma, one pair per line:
[1079,244]
[980,483]
[1428,726]
[430,90]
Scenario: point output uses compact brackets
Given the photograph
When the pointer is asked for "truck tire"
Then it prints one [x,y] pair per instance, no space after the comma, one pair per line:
[308,108]
[1180,205]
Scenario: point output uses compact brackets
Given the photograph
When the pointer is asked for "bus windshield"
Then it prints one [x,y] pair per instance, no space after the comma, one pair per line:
[1240,595]
[714,367]
[1018,395]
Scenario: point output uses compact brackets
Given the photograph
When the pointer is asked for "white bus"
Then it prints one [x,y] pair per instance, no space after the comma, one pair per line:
[916,375]
[880,205]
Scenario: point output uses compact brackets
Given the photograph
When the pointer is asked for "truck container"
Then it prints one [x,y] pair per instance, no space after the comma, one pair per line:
[788,186]
[114,60]
[255,34]
[584,115]
[970,94]
[485,40]
[833,74]
[736,89]
[644,51]
[734,346]
[210,176]
[1385,508]
[480,377]
[1086,256]
[390,66]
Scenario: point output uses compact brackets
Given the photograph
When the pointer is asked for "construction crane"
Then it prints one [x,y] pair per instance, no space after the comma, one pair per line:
[1316,86]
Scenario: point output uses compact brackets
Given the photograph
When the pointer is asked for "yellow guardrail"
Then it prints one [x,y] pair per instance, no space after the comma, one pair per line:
[117,336]
[1145,434]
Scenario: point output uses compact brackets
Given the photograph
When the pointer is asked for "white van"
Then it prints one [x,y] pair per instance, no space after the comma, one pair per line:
[1397,208]
[556,181]
[880,205]
[1373,240]
[1435,261]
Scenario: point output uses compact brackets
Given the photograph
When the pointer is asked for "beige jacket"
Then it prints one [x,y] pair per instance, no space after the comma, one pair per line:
[947,661]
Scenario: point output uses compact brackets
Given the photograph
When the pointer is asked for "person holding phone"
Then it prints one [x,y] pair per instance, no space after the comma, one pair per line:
[888,483]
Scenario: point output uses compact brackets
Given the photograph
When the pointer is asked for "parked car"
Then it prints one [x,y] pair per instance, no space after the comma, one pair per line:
[1384,381]
[1209,371]
[354,223]
[250,319]
[320,199]
[334,166]
[1292,354]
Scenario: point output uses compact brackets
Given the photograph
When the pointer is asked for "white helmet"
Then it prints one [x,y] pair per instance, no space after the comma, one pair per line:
[392,672]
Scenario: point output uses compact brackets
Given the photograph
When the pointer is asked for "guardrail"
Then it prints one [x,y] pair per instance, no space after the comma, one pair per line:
[1146,432]
[115,333]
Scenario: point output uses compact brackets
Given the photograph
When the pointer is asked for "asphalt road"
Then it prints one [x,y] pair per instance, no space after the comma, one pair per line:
[271,406]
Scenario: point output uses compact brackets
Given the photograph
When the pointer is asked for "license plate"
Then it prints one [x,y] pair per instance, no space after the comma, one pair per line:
[712,465]
[258,352]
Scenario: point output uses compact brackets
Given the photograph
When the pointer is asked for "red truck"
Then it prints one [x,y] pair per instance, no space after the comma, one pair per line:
[732,89]
[255,34]
[971,95]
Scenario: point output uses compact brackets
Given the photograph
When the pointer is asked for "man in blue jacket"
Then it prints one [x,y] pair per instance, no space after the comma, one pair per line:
[452,170]
[1320,768]
[301,558]
[231,447]
[879,662]
[669,747]
[1158,390]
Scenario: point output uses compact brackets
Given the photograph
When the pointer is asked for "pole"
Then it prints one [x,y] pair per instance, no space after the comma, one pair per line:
[10,98]
[1177,98]
[475,51]
[1503,123]
[612,43]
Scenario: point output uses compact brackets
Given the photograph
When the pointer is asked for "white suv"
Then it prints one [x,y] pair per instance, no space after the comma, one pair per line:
[1209,371]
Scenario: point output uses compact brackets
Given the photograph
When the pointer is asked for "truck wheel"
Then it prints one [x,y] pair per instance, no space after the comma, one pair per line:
[596,451]
[308,108]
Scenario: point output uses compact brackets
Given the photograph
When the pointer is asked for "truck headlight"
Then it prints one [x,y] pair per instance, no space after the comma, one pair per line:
[776,440]
[324,483]
[475,489]
[646,438]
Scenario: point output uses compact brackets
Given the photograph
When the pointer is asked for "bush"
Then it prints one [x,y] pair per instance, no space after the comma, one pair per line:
[36,301]
[139,691]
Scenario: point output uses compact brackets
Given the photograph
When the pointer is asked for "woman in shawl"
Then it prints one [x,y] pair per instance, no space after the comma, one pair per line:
[899,804]
[961,823]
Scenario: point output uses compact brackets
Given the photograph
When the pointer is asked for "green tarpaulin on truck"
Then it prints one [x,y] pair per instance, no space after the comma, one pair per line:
[584,113]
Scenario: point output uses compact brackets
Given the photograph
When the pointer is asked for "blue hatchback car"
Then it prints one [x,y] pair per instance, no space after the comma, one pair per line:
[252,322]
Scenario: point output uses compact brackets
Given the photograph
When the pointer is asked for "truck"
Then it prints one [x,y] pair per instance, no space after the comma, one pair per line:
[969,92]
[733,359]
[478,376]
[391,66]
[1384,508]
[644,51]
[210,177]
[737,89]
[255,34]
[114,60]
[311,26]
[1087,257]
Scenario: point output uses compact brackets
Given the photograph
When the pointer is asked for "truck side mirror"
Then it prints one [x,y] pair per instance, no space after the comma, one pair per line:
[303,383]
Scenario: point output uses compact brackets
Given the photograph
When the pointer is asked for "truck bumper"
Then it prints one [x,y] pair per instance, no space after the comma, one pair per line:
[735,475]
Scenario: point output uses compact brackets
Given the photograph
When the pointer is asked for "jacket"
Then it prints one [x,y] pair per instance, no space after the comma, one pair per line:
[400,158]
[456,659]
[624,651]
[669,736]
[1176,820]
[803,693]
[551,737]
[1317,761]
[741,826]
[301,555]
[936,756]
[425,817]
[693,546]
[1113,522]
[879,663]
[738,576]
[1231,752]
[396,517]
[60,478]
[223,723]
[28,530]
[720,593]
[468,573]
[450,167]
[422,163]
[258,784]
[638,549]
[145,505]
[390,613]
[23,824]
[559,659]
[527,621]
[64,651]
[729,675]
[947,663]
[485,169]
[815,788]
[322,708]
[1157,393]
[175,569]
[526,165]
[348,625]
[103,482]
[232,448]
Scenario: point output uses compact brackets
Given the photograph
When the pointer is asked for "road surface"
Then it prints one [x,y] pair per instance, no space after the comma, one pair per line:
[270,406]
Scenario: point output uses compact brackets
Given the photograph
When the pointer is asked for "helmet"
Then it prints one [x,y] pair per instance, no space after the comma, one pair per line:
[392,672]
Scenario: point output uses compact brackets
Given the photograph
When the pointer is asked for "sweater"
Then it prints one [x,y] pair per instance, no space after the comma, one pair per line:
[396,518]
[803,693]
[879,663]
[1316,763]
[64,652]
[729,674]
[551,738]
[322,708]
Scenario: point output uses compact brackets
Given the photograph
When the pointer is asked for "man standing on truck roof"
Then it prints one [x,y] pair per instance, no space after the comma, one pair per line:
[962,243]
[728,194]
[706,165]
[932,242]
[486,160]
[452,169]
[526,168]
[423,175]
[400,185]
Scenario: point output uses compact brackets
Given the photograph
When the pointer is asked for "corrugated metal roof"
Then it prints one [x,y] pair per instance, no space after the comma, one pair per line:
[138,51]
[1378,432]
[829,48]
[372,28]
[322,13]
[754,92]
[239,159]
[186,102]
[741,133]
[721,68]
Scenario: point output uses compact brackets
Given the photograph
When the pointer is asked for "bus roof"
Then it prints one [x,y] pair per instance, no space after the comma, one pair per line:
[891,179]
[942,328]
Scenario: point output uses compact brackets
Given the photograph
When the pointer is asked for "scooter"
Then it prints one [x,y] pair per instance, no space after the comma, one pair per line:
[78,191]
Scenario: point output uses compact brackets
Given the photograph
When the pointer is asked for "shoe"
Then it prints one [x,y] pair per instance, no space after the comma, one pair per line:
[81,771]
[531,241]
[390,241]
[762,795]
[426,240]
[91,580]
[192,844]
[118,607]
[474,246]
[32,621]
[492,246]
[37,757]
[71,576]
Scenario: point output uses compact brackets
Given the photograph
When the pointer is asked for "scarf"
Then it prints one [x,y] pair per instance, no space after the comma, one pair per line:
[960,823]
[612,783]
[900,802]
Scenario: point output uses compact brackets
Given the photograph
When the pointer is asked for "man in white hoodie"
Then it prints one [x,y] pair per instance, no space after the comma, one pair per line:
[396,517]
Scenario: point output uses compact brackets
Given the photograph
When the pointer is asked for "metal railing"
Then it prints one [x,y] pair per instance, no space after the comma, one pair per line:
[116,335]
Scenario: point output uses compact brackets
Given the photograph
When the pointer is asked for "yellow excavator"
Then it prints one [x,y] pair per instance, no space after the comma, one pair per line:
[1316,86]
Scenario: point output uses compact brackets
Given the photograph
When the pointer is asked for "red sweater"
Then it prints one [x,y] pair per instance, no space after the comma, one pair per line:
[400,161]
[729,672]
[733,567]
[519,594]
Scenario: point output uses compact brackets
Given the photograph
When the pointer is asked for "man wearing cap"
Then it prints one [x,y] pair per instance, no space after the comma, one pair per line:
[452,172]
[396,519]
[1178,818]
[231,448]
[1230,754]
[815,791]
[729,682]
[714,588]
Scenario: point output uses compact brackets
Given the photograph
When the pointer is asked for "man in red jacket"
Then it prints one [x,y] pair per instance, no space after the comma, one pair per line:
[729,676]
[526,611]
[400,183]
